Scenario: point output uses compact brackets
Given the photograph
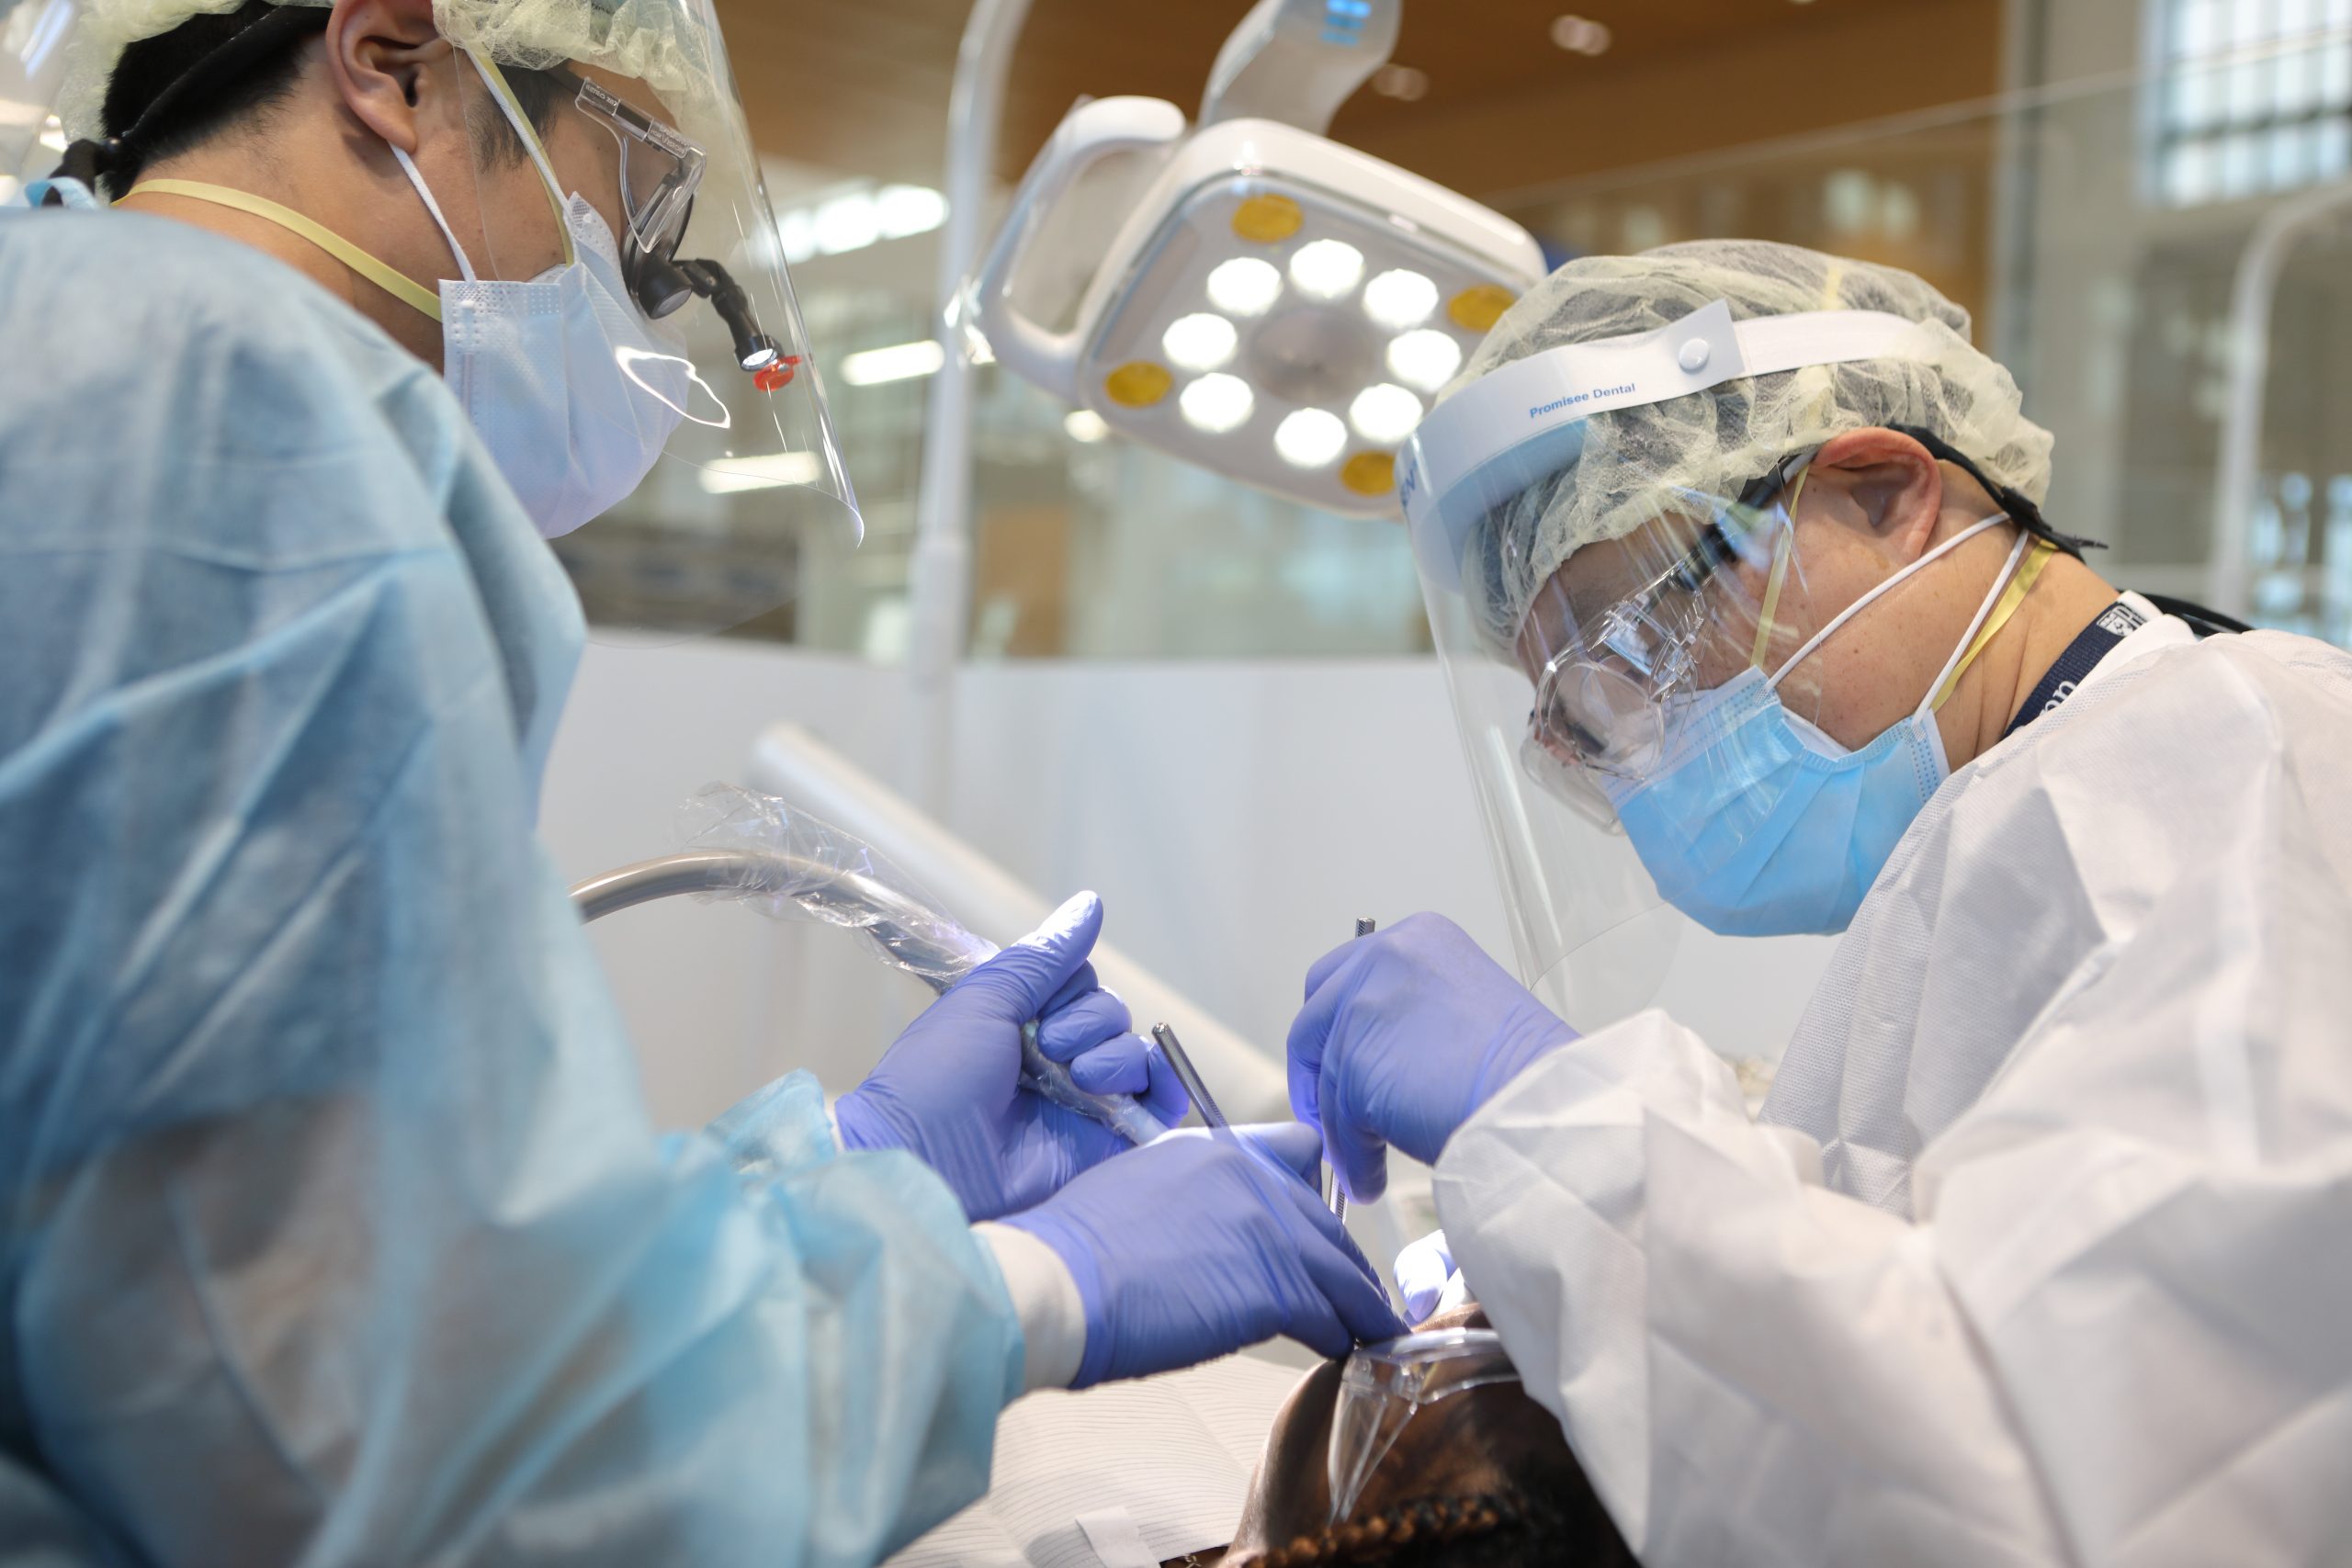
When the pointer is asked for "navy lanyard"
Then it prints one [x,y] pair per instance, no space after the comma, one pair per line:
[2095,642]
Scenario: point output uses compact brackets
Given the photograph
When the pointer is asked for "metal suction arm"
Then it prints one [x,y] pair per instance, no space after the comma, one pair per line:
[916,937]
[700,870]
[912,933]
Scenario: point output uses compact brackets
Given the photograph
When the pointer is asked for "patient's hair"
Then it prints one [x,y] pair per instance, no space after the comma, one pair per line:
[1448,1532]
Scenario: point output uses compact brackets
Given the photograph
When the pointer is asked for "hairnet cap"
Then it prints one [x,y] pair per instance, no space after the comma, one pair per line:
[1636,461]
[658,42]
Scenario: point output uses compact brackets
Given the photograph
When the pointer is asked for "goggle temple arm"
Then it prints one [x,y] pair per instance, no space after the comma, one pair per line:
[2021,512]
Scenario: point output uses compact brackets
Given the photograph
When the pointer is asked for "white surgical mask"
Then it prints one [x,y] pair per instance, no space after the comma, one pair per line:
[571,389]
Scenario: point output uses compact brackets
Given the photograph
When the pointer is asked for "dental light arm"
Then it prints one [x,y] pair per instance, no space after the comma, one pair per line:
[1092,132]
[1298,60]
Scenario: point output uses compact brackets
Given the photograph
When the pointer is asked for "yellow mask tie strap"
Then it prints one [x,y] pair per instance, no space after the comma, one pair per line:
[1781,552]
[2011,597]
[401,287]
[512,107]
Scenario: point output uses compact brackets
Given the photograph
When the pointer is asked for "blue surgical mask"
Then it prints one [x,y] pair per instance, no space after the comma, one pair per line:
[1758,823]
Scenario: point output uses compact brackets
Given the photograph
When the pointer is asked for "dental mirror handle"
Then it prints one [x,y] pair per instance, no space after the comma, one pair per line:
[1332,1194]
[1190,1076]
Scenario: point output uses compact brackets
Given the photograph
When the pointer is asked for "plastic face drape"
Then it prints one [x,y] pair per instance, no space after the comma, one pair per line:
[1385,1386]
[654,185]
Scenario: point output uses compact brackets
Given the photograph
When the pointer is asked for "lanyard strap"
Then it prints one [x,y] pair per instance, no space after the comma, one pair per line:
[400,287]
[2093,643]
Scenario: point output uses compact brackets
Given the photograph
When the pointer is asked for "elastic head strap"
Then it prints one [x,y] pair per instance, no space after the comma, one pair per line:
[400,287]
[89,160]
[2021,511]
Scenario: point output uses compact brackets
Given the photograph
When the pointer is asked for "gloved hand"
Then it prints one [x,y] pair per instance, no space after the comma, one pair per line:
[949,1088]
[1423,1271]
[1204,1243]
[1405,1033]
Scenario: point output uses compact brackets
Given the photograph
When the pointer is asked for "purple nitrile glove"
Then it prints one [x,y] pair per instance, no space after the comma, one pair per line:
[949,1088]
[1203,1242]
[1405,1033]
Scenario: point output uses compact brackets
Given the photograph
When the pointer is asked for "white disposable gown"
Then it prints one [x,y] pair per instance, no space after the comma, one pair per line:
[2042,1248]
[331,1227]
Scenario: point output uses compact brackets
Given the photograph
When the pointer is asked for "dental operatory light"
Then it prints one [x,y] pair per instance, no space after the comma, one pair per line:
[1244,286]
[1273,306]
[1215,405]
[1425,359]
[1200,341]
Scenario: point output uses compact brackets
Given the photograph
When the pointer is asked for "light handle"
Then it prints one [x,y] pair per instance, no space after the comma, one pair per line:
[1087,134]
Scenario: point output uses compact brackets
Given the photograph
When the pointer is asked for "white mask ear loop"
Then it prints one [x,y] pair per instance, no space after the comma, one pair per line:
[408,166]
[1858,605]
[1968,638]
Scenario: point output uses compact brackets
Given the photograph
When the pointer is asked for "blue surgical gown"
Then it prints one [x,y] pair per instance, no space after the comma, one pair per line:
[331,1227]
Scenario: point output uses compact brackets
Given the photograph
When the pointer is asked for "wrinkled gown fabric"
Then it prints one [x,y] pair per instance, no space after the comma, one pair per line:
[2042,1248]
[335,1230]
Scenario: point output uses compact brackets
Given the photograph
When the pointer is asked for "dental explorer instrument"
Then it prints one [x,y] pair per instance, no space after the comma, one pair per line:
[1190,1076]
[1332,1193]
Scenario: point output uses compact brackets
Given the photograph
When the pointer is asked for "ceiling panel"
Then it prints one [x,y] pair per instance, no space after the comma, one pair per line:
[862,85]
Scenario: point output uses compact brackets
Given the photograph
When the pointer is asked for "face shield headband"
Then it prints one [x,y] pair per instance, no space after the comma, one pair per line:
[1524,423]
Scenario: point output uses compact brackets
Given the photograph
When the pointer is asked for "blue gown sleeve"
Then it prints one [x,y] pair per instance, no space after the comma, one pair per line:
[335,1232]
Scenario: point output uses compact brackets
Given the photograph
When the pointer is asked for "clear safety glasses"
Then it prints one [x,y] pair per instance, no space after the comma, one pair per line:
[1603,697]
[660,169]
[1383,1386]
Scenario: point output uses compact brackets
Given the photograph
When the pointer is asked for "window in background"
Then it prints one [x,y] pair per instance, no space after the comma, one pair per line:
[1921,201]
[2248,97]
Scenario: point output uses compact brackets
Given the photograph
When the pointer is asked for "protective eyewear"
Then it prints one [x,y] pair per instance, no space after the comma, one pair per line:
[1383,1386]
[661,170]
[1600,701]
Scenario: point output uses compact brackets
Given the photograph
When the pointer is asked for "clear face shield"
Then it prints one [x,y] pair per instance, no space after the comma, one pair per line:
[614,311]
[33,57]
[701,373]
[1633,655]
[1383,1386]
